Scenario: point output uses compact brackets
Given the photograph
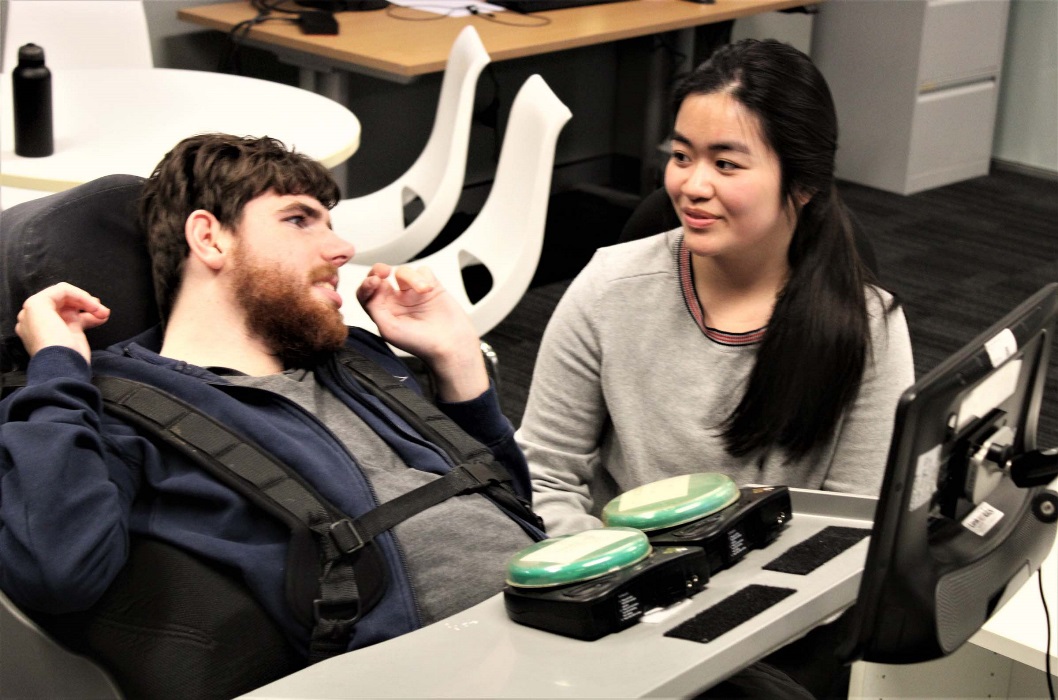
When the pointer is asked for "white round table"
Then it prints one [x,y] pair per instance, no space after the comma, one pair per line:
[109,121]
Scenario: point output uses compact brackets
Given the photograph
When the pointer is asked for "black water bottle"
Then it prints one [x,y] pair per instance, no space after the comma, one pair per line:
[31,85]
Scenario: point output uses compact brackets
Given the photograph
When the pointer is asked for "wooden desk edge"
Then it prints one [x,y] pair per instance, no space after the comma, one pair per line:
[201,16]
[36,183]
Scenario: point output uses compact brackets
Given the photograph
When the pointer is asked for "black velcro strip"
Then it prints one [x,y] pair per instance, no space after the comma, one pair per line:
[159,408]
[729,613]
[817,550]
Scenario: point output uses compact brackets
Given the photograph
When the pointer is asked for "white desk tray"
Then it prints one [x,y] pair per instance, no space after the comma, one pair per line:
[480,653]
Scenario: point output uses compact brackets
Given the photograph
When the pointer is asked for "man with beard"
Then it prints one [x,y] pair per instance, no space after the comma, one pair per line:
[245,267]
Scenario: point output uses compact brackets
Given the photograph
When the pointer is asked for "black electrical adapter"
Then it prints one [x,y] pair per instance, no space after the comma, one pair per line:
[317,22]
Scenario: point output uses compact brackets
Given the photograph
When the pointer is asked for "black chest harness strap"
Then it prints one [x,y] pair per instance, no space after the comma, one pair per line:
[335,573]
[464,451]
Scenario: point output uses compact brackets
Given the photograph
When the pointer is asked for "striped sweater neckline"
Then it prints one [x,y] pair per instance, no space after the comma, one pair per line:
[686,276]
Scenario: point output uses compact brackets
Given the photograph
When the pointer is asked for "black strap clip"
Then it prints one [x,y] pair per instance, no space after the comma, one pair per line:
[345,536]
[337,619]
[479,475]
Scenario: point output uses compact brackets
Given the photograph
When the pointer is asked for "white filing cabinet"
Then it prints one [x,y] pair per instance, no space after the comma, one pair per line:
[916,83]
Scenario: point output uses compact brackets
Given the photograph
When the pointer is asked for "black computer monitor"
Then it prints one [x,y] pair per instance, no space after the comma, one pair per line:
[963,518]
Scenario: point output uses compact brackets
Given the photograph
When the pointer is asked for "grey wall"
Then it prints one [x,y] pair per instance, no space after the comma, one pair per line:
[1027,122]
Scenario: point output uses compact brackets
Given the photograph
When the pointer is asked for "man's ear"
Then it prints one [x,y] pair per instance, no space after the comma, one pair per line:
[208,240]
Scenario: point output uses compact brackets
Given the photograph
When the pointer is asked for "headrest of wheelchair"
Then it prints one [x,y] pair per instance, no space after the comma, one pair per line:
[88,236]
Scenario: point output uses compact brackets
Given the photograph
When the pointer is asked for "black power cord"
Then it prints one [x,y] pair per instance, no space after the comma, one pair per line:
[229,62]
[423,13]
[311,21]
[1047,621]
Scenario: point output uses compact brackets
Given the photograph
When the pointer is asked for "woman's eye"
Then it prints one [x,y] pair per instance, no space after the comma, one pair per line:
[680,157]
[725,165]
[297,220]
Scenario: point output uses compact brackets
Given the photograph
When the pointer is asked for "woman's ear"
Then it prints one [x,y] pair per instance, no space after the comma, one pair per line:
[802,197]
[206,238]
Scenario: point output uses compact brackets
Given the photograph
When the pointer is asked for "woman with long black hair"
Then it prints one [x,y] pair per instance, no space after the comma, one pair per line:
[750,341]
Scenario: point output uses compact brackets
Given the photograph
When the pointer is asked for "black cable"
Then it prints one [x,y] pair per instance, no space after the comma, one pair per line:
[1047,620]
[493,17]
[229,63]
[394,11]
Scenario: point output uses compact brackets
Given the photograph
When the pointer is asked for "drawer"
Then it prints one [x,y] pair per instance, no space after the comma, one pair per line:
[962,40]
[951,134]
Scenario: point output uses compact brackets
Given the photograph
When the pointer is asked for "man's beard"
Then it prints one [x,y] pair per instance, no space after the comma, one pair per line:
[284,313]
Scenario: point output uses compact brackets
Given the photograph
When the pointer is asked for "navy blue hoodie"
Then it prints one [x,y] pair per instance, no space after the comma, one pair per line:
[75,482]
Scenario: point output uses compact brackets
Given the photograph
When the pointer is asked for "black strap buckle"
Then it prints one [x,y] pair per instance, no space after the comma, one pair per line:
[479,475]
[345,536]
[339,618]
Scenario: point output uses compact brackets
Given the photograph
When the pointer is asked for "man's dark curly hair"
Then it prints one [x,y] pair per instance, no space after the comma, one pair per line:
[219,173]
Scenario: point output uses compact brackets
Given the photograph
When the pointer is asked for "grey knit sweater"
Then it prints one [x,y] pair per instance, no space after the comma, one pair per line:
[628,390]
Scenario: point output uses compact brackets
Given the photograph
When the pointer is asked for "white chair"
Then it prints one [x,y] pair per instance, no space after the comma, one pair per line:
[508,234]
[375,222]
[80,33]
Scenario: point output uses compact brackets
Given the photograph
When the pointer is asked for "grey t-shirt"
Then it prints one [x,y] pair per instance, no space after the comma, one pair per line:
[456,552]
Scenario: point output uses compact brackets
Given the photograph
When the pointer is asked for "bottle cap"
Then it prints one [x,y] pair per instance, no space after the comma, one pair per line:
[30,56]
[671,502]
[573,558]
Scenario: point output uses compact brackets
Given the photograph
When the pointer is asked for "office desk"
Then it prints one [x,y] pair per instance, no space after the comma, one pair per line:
[479,653]
[125,120]
[377,44]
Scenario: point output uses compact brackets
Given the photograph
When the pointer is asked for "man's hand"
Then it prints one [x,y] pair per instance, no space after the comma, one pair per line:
[59,315]
[421,318]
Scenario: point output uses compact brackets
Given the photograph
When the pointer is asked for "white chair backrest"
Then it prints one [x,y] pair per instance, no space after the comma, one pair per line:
[79,33]
[375,222]
[508,234]
[446,149]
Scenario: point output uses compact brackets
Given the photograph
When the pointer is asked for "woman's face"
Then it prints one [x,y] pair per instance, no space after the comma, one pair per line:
[724,181]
